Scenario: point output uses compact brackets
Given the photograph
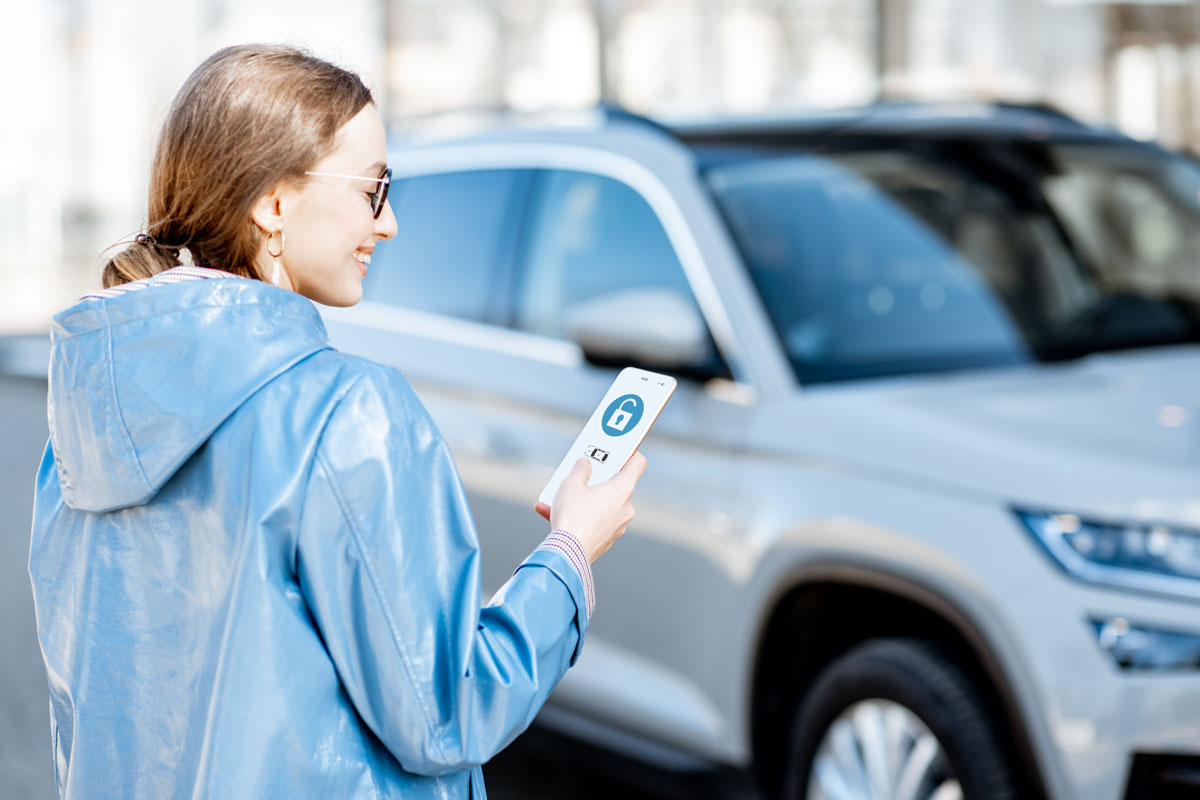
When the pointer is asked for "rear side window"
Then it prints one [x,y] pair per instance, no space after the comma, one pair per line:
[453,248]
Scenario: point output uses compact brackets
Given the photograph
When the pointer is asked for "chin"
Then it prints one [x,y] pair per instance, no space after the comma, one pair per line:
[341,297]
[343,301]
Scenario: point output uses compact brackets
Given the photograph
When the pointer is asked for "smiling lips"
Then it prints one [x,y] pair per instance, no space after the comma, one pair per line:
[363,257]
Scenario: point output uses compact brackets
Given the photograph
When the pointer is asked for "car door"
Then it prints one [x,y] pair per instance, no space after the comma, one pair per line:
[472,301]
[659,591]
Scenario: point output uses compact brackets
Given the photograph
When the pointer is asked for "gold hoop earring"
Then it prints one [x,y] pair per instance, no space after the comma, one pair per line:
[277,271]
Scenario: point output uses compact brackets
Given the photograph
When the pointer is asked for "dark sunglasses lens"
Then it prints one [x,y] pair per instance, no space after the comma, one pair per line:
[381,193]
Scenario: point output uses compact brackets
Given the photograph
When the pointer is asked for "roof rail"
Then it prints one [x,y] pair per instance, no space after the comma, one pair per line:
[1036,107]
[615,113]
[1040,107]
[471,119]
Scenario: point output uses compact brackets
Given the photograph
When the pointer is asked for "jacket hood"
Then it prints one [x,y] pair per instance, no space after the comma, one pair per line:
[139,382]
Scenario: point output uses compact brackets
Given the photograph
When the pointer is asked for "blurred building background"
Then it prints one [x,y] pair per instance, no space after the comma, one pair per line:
[87,82]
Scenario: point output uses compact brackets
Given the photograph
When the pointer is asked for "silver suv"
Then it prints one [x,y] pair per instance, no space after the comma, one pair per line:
[923,517]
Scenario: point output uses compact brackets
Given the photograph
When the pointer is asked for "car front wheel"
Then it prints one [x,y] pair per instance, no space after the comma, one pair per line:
[895,719]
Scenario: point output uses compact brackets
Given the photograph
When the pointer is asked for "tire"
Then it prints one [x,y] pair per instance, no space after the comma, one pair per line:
[908,692]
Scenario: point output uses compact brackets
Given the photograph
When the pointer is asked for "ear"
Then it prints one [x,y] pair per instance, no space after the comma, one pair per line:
[268,211]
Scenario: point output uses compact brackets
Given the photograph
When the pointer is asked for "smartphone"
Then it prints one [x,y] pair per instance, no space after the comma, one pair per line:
[617,426]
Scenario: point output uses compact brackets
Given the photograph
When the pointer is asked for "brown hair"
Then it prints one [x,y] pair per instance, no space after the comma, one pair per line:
[247,118]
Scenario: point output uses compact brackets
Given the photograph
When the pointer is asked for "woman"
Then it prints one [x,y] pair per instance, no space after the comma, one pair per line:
[253,564]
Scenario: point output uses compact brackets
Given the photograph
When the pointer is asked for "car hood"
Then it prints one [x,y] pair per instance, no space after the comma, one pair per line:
[1114,434]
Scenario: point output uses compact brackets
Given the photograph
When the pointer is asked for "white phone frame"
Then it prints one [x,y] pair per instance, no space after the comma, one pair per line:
[653,389]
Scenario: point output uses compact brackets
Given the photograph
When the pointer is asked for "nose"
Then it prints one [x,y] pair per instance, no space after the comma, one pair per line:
[385,225]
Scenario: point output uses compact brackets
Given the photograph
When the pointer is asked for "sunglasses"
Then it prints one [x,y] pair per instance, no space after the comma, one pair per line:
[378,197]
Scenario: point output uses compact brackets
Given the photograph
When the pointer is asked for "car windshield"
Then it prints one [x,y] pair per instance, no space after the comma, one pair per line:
[931,256]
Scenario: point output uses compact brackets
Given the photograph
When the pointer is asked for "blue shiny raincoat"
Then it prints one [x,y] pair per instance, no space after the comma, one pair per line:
[255,571]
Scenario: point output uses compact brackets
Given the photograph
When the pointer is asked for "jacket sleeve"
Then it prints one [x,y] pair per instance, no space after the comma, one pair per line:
[388,562]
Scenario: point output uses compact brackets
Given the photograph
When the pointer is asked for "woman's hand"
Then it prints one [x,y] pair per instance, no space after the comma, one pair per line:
[595,515]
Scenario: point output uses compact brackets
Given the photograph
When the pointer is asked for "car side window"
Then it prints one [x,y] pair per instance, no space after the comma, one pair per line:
[453,246]
[589,236]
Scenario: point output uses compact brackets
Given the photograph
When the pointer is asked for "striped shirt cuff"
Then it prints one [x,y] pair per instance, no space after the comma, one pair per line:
[565,544]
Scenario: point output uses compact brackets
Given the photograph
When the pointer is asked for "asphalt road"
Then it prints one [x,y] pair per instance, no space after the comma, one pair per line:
[26,770]
[538,766]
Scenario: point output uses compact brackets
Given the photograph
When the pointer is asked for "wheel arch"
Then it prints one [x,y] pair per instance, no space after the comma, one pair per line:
[880,604]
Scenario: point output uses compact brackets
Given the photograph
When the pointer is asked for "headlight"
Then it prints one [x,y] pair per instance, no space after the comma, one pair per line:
[1156,558]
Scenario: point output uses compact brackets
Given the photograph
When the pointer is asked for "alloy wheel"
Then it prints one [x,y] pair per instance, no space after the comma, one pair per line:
[879,750]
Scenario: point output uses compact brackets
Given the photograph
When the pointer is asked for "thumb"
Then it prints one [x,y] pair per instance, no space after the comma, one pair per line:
[581,469]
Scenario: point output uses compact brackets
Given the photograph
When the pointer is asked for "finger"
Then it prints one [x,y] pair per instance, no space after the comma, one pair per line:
[542,509]
[581,469]
[633,469]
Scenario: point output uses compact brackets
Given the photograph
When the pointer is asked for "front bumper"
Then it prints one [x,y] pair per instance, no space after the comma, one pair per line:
[1109,728]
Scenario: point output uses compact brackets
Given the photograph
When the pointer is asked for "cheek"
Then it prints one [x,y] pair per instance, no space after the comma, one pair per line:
[329,234]
[336,238]
[355,229]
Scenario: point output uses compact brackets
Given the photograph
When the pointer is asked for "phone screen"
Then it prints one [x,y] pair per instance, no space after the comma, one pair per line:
[617,426]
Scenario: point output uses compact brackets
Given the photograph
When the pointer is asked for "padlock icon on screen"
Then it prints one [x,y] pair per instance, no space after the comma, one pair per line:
[621,415]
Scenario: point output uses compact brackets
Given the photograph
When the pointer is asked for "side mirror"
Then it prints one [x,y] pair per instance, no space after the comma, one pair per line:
[657,328]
